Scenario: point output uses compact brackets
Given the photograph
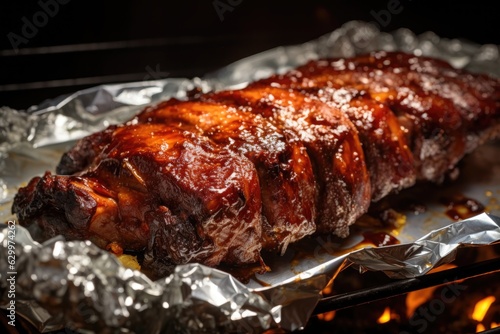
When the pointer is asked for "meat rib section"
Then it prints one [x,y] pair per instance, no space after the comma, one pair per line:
[332,145]
[155,189]
[280,159]
[220,177]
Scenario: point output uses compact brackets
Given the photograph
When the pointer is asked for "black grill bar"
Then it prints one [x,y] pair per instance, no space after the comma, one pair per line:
[400,287]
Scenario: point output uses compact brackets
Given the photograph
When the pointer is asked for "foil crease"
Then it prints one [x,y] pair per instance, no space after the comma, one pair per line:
[439,246]
[77,286]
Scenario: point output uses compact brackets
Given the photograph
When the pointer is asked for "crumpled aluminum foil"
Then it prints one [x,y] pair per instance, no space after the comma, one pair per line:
[76,285]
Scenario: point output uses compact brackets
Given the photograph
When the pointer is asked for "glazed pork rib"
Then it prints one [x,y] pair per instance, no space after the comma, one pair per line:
[221,176]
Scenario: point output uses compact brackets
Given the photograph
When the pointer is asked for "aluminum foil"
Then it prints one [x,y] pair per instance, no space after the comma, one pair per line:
[75,285]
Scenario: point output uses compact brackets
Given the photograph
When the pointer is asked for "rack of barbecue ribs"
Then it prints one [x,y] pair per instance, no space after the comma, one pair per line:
[221,176]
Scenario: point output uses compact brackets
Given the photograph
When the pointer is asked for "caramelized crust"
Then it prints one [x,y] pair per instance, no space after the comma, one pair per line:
[343,187]
[219,177]
[155,189]
[284,169]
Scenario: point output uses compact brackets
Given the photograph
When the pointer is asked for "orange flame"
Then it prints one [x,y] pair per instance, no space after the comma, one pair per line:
[385,317]
[327,316]
[482,307]
[416,298]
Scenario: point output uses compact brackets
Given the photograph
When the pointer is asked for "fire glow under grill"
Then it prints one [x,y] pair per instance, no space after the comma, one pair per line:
[467,305]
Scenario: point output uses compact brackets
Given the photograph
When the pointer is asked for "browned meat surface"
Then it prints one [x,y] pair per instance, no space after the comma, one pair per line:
[280,160]
[220,177]
[343,187]
[155,189]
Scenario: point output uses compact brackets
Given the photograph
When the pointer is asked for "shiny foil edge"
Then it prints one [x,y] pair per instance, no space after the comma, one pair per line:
[76,285]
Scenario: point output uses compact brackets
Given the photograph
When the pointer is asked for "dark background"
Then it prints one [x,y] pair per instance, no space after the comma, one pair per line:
[83,43]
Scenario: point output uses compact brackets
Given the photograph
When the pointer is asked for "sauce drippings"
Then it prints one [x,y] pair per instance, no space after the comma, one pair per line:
[461,207]
[379,239]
